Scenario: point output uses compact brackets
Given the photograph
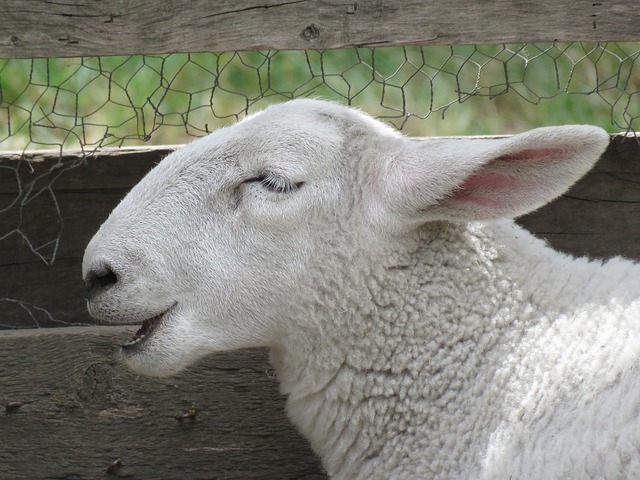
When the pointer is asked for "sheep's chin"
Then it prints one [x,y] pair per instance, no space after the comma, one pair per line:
[154,359]
[151,351]
[151,363]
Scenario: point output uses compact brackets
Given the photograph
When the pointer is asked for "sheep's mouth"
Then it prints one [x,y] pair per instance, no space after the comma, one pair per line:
[146,330]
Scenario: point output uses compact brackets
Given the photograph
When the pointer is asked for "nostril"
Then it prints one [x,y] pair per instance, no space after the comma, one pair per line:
[106,279]
[100,278]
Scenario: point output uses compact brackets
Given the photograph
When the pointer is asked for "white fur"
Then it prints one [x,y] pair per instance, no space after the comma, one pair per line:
[412,340]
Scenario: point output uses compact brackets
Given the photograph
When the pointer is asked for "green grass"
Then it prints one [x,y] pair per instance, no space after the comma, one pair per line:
[427,91]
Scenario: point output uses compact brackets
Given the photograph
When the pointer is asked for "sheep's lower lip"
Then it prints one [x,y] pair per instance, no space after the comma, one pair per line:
[147,329]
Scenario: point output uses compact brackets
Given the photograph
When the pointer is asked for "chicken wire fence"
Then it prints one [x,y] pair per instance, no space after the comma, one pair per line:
[95,102]
[113,101]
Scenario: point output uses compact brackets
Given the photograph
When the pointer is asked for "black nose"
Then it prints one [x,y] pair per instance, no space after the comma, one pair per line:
[99,279]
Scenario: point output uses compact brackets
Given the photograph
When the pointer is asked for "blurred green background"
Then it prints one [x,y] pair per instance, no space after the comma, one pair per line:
[462,90]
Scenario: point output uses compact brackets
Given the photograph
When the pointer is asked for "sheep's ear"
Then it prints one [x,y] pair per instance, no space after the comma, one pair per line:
[481,179]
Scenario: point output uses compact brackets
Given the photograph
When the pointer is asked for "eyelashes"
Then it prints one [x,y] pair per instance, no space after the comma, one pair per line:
[275,183]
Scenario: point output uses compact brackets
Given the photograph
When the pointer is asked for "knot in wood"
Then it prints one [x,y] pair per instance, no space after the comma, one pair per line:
[97,384]
[311,32]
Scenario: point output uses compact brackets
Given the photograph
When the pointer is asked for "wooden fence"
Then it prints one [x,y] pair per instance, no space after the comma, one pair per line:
[71,410]
[36,28]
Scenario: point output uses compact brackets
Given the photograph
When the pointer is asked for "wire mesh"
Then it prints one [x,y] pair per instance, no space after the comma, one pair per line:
[95,102]
[105,101]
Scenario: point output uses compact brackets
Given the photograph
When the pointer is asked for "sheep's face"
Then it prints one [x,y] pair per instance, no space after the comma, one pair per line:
[208,249]
[211,249]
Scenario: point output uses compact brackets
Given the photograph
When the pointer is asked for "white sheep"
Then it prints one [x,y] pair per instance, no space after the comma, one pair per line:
[412,341]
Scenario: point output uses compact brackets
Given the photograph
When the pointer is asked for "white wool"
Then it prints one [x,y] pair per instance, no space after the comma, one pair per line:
[416,329]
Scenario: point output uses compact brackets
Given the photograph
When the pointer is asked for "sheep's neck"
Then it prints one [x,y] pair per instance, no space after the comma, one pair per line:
[417,349]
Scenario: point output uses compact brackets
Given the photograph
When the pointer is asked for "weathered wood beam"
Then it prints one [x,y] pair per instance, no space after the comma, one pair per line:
[81,411]
[43,28]
[597,217]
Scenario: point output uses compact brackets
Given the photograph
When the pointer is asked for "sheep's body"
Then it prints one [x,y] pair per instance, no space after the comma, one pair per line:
[409,346]
[507,389]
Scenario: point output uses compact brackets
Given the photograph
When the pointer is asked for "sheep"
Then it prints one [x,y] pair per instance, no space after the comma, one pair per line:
[416,330]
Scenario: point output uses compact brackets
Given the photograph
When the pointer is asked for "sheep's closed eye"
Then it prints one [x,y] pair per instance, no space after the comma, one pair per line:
[275,183]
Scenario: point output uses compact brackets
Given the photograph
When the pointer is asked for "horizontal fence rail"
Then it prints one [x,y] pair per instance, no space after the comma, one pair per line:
[56,203]
[37,28]
[70,411]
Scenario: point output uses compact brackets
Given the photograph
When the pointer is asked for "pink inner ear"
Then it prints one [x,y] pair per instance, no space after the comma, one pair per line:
[490,181]
[488,190]
[533,153]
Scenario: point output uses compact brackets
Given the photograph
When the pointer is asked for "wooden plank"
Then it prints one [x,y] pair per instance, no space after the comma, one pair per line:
[43,28]
[81,411]
[597,217]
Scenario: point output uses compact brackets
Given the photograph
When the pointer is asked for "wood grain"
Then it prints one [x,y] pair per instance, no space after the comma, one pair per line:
[81,411]
[44,28]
